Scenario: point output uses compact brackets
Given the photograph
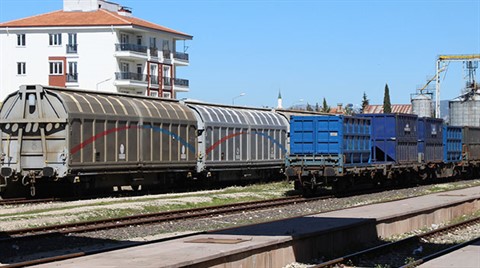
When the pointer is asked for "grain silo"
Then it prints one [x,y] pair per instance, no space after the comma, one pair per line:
[465,109]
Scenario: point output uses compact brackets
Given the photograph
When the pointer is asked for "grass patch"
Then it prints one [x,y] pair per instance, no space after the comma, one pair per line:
[96,212]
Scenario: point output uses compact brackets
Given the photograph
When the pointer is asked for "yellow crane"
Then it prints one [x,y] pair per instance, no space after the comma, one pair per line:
[442,60]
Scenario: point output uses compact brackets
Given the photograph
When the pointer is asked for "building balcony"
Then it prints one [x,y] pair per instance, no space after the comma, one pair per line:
[130,76]
[181,56]
[181,85]
[180,82]
[131,47]
[131,80]
[153,52]
[72,48]
[72,78]
[131,51]
[167,55]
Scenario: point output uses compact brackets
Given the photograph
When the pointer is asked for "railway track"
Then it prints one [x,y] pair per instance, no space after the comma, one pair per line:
[111,223]
[22,201]
[35,235]
[401,251]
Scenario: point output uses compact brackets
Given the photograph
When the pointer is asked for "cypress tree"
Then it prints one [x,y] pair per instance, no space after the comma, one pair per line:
[365,102]
[325,107]
[387,106]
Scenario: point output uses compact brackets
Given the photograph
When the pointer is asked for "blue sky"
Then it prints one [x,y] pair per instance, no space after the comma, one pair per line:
[309,50]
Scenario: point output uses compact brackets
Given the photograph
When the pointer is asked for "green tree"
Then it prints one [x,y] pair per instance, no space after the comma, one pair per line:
[387,106]
[317,107]
[325,107]
[365,102]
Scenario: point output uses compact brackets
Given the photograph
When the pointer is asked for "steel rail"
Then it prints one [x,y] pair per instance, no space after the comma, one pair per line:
[389,246]
[111,223]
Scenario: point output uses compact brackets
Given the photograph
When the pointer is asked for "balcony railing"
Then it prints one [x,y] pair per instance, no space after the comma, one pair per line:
[72,77]
[153,52]
[181,56]
[153,80]
[72,48]
[130,76]
[130,47]
[166,54]
[180,82]
[167,81]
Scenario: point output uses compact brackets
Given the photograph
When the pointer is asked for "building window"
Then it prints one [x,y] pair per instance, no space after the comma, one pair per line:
[56,68]
[153,94]
[167,95]
[21,68]
[21,40]
[72,75]
[72,43]
[55,39]
[124,39]
[153,42]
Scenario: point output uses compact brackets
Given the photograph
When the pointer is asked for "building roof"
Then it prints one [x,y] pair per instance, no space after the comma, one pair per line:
[396,109]
[100,17]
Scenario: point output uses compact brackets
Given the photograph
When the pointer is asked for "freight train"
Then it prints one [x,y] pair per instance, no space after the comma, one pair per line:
[337,152]
[57,140]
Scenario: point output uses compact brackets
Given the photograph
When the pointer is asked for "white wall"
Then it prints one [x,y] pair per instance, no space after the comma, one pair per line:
[88,5]
[96,61]
[80,5]
[34,54]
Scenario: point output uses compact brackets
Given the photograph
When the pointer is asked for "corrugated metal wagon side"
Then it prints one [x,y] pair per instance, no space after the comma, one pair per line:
[93,140]
[239,141]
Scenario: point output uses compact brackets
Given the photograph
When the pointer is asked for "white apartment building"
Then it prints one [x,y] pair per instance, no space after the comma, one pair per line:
[92,44]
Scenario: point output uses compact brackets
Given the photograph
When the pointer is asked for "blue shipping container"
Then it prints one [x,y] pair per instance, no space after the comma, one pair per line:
[430,139]
[452,140]
[344,137]
[394,138]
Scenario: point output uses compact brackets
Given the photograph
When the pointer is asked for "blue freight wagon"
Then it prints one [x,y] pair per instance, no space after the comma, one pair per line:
[430,140]
[394,138]
[329,144]
[452,144]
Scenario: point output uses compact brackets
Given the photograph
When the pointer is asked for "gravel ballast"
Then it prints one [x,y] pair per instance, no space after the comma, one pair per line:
[14,217]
